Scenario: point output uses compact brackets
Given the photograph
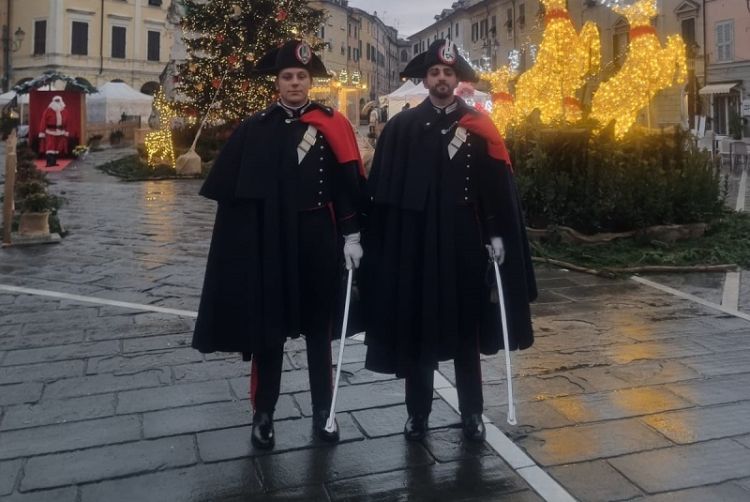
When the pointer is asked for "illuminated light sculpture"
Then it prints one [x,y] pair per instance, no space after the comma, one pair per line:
[503,108]
[159,146]
[564,60]
[647,69]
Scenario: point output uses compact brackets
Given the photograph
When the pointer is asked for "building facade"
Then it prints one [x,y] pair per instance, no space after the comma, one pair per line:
[489,31]
[360,44]
[96,40]
[727,93]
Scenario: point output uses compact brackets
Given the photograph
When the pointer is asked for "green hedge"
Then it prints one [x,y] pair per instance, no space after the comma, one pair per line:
[595,184]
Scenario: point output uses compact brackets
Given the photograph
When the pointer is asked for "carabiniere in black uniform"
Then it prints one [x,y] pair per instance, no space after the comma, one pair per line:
[275,263]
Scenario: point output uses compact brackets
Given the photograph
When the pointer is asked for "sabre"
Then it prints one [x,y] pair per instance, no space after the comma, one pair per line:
[331,423]
[504,320]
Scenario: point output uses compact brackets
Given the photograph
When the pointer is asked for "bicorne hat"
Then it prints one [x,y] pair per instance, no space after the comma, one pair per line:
[440,52]
[293,54]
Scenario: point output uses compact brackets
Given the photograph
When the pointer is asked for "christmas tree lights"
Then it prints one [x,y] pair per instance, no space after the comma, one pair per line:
[231,34]
[647,69]
[564,60]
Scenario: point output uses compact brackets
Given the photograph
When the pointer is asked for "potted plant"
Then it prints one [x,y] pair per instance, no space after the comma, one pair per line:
[115,137]
[35,205]
[80,152]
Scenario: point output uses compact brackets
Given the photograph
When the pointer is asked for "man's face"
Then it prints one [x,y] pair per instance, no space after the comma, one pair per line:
[293,85]
[441,81]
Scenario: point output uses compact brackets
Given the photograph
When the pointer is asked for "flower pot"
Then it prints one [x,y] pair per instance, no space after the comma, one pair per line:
[34,224]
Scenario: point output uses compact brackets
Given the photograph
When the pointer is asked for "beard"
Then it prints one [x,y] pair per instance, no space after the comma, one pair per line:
[56,106]
[441,90]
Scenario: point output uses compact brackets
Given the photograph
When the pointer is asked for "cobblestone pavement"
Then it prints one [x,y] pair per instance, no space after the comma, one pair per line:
[630,392]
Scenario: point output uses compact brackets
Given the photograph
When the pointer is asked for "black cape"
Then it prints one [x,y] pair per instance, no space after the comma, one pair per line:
[251,292]
[410,304]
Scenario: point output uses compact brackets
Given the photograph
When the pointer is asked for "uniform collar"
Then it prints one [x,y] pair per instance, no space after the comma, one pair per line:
[446,110]
[293,113]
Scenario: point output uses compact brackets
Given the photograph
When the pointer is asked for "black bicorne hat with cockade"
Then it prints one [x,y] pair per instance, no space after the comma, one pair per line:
[293,54]
[443,52]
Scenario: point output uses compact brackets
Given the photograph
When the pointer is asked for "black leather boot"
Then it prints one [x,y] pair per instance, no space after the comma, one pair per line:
[262,435]
[415,428]
[51,160]
[320,418]
[473,427]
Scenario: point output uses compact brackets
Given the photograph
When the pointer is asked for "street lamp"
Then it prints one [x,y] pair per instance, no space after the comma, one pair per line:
[10,45]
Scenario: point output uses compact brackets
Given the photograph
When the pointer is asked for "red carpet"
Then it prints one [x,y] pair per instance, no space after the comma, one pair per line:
[41,164]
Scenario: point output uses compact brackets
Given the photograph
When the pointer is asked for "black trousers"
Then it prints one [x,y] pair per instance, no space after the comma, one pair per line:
[471,264]
[319,270]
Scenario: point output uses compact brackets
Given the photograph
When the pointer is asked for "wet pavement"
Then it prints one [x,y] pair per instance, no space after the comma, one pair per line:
[629,393]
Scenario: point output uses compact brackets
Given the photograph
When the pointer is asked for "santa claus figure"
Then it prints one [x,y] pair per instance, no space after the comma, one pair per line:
[53,131]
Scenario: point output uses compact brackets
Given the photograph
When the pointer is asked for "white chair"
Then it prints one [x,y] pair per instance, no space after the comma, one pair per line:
[740,155]
[725,151]
[706,143]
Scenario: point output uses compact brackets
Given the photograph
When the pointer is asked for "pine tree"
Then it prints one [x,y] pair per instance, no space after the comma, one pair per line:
[224,38]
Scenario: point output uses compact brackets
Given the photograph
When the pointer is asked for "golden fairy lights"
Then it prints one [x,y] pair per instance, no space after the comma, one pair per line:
[566,59]
[159,146]
[648,68]
[503,108]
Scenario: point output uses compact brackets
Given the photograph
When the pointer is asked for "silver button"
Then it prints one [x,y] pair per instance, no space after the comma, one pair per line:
[468,155]
[322,147]
[320,193]
[427,124]
[321,158]
[320,170]
[466,198]
[321,182]
[468,165]
[320,203]
[467,178]
[466,189]
[468,144]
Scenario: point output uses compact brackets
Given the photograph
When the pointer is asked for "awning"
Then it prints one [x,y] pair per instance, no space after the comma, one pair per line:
[724,88]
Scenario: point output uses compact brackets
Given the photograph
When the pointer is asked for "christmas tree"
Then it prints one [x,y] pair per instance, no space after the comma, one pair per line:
[223,40]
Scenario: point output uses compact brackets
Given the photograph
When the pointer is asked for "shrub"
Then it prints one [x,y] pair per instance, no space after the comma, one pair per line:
[595,184]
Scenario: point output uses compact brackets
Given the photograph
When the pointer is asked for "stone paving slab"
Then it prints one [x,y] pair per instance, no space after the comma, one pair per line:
[685,466]
[691,426]
[595,481]
[591,442]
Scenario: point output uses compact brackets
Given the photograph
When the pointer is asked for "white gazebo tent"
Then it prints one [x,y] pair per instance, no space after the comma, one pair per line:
[414,94]
[115,99]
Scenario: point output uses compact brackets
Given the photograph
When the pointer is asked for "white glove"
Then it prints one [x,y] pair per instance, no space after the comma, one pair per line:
[41,135]
[352,250]
[496,249]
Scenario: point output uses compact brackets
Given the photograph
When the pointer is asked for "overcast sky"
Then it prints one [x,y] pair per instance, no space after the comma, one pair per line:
[407,16]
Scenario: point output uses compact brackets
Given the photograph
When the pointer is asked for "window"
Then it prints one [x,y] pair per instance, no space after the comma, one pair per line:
[349,53]
[449,31]
[155,3]
[343,50]
[688,31]
[323,32]
[521,15]
[724,41]
[474,32]
[620,42]
[154,49]
[456,30]
[493,27]
[483,29]
[509,22]
[118,42]
[404,56]
[416,49]
[40,37]
[79,42]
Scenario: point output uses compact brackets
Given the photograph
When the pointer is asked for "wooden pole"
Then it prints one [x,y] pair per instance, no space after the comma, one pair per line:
[10,182]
